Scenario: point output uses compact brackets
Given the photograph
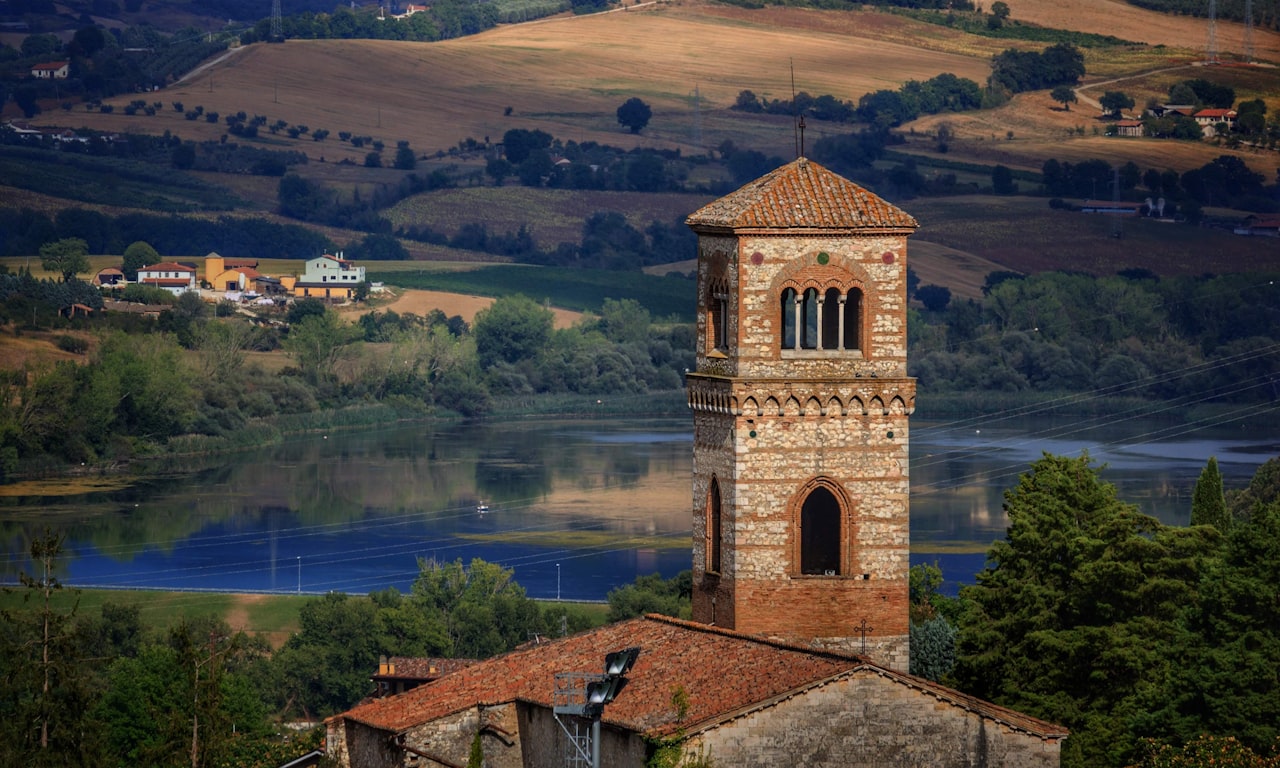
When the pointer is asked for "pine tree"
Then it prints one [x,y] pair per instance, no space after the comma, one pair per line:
[1208,504]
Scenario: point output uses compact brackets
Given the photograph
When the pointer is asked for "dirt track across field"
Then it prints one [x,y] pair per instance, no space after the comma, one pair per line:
[422,302]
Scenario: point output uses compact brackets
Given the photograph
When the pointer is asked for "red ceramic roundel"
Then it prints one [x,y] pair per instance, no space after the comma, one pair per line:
[888,257]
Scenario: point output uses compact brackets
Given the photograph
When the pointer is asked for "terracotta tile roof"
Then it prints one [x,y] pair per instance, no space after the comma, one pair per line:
[803,195]
[725,674]
[167,266]
[1216,113]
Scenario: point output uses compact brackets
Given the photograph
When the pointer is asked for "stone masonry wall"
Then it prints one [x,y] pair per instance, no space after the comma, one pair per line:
[450,737]
[868,720]
[770,423]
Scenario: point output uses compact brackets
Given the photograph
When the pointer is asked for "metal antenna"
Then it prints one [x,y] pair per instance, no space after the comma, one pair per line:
[1211,55]
[1248,31]
[798,123]
[277,28]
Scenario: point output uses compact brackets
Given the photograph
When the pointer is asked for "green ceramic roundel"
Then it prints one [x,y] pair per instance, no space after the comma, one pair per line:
[824,257]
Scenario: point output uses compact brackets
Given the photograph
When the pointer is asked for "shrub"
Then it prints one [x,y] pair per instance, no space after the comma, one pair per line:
[72,344]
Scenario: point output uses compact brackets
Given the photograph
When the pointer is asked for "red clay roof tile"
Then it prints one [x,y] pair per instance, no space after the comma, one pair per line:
[723,673]
[802,195]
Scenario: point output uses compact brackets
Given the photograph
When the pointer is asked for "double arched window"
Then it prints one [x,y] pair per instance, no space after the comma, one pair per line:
[829,319]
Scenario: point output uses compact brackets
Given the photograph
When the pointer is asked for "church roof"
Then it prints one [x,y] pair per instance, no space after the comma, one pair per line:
[802,195]
[725,674]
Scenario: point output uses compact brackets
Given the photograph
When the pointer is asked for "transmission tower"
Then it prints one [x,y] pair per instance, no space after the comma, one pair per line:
[1248,31]
[277,28]
[697,118]
[1211,50]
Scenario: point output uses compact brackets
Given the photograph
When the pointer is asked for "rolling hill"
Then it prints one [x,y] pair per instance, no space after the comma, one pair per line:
[567,75]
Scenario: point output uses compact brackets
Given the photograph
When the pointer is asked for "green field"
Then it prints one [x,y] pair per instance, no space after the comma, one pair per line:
[576,289]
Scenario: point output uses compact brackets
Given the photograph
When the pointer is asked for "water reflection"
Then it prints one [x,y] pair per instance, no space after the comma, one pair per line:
[607,501]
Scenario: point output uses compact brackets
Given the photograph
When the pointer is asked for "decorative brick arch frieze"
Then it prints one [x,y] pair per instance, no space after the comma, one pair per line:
[805,273]
[847,520]
[870,397]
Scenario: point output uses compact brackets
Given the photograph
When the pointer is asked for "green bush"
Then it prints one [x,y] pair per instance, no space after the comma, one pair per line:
[72,344]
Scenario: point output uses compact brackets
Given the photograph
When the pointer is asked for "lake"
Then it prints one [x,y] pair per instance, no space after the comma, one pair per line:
[576,508]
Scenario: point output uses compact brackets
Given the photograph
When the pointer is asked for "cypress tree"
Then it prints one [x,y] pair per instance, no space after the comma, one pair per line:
[476,758]
[1208,504]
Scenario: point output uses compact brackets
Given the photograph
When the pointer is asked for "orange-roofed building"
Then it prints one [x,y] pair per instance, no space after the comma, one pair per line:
[742,699]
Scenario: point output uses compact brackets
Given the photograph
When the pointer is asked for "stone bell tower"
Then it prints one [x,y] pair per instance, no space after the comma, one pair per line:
[800,403]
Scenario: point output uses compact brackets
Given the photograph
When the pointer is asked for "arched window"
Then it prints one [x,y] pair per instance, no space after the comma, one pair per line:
[832,308]
[788,312]
[809,319]
[827,319]
[852,314]
[714,527]
[820,534]
[718,316]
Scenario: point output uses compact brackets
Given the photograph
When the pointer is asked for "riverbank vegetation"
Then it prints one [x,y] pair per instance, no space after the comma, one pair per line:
[181,380]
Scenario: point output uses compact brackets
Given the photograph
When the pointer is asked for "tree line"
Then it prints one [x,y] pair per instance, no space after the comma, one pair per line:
[24,231]
[1223,181]
[1131,335]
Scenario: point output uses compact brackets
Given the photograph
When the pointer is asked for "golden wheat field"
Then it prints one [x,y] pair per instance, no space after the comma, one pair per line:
[565,75]
[1129,22]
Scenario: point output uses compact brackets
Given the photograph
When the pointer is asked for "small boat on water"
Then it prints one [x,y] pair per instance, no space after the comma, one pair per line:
[482,507]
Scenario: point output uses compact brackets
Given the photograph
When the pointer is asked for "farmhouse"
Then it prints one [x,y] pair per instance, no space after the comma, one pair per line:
[52,70]
[171,276]
[799,644]
[1128,128]
[329,277]
[1210,119]
[1257,225]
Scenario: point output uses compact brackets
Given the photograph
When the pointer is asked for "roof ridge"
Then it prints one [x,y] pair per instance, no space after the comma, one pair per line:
[779,643]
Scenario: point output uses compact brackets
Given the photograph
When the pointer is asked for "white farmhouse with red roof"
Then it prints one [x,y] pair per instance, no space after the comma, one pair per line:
[1210,119]
[171,276]
[51,70]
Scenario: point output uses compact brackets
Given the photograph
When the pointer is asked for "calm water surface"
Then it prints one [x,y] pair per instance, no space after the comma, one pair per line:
[575,508]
